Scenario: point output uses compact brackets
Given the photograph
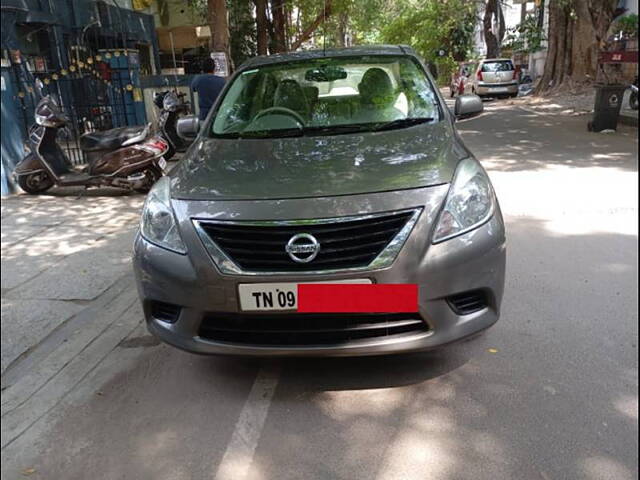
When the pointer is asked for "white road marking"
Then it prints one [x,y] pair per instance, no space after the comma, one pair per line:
[238,457]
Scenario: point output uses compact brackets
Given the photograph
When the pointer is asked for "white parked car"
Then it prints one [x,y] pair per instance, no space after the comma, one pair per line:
[495,77]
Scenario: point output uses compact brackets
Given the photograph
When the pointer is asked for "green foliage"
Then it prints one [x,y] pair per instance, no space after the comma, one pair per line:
[360,20]
[242,30]
[198,8]
[526,37]
[628,25]
[431,25]
[426,25]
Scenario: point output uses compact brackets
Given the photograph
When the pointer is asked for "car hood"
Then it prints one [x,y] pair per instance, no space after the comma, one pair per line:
[319,166]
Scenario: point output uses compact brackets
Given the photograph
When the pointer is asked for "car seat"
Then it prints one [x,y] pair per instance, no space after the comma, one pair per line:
[289,94]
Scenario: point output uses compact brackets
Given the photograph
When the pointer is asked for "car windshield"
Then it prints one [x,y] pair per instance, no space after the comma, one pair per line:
[326,96]
[505,66]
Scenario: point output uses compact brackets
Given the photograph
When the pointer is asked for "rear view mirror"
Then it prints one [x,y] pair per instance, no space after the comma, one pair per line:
[188,126]
[468,106]
[326,73]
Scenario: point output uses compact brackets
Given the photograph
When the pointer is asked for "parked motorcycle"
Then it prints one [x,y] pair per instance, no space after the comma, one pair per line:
[633,98]
[128,157]
[171,109]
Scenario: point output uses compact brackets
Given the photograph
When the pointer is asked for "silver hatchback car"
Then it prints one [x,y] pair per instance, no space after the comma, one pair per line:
[326,207]
[495,77]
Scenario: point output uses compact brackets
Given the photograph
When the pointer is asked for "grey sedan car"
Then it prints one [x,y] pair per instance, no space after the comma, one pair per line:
[326,207]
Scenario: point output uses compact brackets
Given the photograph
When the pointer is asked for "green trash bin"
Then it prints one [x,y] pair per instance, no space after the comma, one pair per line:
[607,107]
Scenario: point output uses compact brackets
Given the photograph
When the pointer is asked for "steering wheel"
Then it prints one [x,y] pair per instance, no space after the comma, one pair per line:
[280,110]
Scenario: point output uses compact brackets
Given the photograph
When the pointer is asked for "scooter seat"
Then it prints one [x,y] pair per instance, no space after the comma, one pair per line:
[111,139]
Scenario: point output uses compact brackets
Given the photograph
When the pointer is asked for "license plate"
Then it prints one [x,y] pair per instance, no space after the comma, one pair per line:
[275,296]
[162,163]
[499,89]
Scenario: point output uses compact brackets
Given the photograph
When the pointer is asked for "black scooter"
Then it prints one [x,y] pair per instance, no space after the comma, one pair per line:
[171,109]
[128,157]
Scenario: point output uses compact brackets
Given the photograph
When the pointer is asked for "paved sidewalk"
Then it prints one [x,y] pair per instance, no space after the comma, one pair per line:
[60,254]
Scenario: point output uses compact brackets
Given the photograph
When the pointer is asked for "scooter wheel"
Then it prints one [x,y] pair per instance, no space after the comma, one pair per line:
[35,183]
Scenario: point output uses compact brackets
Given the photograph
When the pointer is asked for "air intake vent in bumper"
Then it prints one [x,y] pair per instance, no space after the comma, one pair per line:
[468,302]
[165,311]
[307,329]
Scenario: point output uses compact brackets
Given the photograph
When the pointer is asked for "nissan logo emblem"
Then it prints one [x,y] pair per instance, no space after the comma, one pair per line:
[302,248]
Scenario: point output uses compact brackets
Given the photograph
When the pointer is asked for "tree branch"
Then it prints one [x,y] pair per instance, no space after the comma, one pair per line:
[326,11]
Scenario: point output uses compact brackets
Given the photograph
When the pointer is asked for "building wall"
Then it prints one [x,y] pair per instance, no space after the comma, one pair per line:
[631,6]
[173,13]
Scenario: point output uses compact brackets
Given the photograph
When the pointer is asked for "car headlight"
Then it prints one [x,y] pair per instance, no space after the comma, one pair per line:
[469,203]
[158,224]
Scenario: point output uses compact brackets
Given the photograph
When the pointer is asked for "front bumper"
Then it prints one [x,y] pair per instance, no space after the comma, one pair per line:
[473,261]
[497,88]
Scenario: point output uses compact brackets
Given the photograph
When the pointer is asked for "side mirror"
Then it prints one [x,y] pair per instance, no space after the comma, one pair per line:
[468,106]
[188,126]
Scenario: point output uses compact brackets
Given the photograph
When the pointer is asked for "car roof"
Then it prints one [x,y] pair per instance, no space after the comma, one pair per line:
[496,60]
[329,52]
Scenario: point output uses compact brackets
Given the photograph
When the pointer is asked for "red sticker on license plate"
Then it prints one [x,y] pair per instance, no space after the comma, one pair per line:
[357,298]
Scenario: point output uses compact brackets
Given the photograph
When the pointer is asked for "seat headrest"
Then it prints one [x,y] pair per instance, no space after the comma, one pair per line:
[289,95]
[375,87]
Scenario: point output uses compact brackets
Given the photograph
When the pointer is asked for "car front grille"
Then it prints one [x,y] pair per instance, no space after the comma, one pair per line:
[348,242]
[302,329]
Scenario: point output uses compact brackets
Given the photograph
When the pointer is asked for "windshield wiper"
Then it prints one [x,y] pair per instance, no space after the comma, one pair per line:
[329,129]
[402,123]
[285,132]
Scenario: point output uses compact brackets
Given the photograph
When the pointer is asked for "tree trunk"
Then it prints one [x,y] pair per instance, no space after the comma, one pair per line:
[493,39]
[324,14]
[577,31]
[278,41]
[219,25]
[262,26]
[341,31]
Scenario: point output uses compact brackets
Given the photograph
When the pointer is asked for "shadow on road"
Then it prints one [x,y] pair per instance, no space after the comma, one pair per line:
[524,141]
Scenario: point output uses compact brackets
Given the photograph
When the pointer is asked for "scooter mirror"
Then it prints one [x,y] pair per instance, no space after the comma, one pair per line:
[39,86]
[188,126]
